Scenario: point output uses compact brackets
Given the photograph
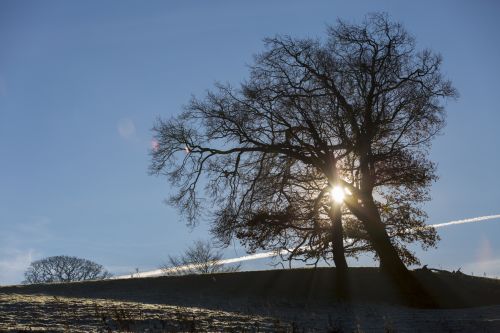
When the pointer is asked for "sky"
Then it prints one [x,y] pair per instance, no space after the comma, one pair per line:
[82,83]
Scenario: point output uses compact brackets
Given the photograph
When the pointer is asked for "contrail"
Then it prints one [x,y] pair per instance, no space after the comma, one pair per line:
[163,271]
[160,272]
[471,220]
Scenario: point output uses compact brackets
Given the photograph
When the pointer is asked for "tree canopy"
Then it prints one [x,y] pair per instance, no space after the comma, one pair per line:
[64,269]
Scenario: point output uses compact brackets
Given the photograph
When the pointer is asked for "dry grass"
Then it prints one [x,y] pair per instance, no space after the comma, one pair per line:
[39,313]
[36,313]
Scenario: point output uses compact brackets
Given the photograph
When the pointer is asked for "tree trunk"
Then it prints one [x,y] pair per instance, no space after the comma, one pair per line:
[337,238]
[390,261]
[341,273]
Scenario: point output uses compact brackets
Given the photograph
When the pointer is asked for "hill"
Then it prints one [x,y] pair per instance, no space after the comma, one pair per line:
[298,286]
[282,300]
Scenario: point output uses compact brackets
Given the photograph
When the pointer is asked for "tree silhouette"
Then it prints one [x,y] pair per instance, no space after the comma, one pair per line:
[357,110]
[64,269]
[199,258]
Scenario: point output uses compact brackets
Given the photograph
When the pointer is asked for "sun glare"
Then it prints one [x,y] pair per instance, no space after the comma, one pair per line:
[337,194]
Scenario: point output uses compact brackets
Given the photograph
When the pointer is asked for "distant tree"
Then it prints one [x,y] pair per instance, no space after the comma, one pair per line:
[64,269]
[200,258]
[357,111]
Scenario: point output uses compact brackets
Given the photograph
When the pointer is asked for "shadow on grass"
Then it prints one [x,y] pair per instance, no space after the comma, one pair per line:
[294,287]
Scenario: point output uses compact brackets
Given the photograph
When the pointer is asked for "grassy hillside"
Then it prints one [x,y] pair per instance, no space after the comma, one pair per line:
[295,286]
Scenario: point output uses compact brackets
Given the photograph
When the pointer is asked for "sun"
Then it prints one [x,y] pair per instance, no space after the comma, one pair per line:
[337,194]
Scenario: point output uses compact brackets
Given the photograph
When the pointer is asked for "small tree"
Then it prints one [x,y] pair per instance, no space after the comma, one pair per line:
[200,258]
[64,269]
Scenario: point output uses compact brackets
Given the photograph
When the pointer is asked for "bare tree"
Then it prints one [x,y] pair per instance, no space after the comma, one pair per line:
[200,258]
[64,269]
[357,111]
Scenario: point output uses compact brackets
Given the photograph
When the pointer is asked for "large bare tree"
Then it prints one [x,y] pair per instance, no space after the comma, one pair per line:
[357,110]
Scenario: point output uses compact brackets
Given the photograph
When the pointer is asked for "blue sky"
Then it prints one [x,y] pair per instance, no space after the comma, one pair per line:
[81,84]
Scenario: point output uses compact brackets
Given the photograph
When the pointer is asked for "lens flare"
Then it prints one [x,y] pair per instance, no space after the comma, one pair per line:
[155,145]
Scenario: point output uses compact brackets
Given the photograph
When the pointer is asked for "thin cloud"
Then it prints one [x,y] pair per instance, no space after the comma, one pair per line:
[13,264]
[35,230]
[18,247]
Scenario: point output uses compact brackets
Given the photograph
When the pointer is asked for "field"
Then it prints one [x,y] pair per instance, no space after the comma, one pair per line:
[299,300]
